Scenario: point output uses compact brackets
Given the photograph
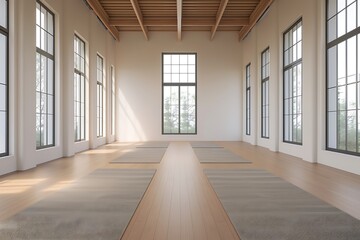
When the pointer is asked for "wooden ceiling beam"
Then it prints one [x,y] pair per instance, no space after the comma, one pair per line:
[254,17]
[139,16]
[219,15]
[179,17]
[187,22]
[104,18]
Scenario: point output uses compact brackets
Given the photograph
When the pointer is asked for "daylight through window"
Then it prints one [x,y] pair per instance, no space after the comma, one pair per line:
[292,120]
[79,89]
[343,76]
[100,97]
[45,77]
[265,76]
[179,93]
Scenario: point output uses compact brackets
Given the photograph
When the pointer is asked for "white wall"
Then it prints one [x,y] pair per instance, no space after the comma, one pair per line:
[139,87]
[71,16]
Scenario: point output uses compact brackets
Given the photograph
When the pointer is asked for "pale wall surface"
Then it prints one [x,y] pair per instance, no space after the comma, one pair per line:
[139,70]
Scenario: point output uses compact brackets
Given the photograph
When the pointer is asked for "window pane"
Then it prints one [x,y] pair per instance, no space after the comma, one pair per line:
[293,86]
[184,59]
[343,99]
[192,59]
[3,98]
[331,8]
[45,77]
[351,16]
[332,29]
[100,106]
[3,59]
[3,16]
[167,59]
[332,71]
[341,23]
[187,110]
[351,131]
[351,60]
[175,59]
[332,99]
[265,94]
[341,5]
[170,108]
[3,140]
[351,97]
[179,102]
[341,63]
[79,88]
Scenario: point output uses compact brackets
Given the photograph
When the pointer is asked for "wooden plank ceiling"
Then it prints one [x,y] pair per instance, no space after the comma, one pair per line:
[179,15]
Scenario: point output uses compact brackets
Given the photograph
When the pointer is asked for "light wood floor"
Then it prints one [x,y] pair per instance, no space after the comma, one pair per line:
[179,203]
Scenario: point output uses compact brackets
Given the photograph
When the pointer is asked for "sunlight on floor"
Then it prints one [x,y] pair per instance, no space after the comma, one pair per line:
[99,151]
[18,185]
[58,186]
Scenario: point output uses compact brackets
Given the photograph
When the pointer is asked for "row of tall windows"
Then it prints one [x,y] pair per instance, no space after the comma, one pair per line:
[292,101]
[45,82]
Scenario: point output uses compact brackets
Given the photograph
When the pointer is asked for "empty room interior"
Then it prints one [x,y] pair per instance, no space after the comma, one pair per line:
[180,119]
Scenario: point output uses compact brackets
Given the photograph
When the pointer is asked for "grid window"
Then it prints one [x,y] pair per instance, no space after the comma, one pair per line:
[100,97]
[292,120]
[265,76]
[45,77]
[79,89]
[4,79]
[343,76]
[112,100]
[179,93]
[248,97]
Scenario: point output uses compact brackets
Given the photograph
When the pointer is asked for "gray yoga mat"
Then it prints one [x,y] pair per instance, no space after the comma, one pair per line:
[141,155]
[152,145]
[98,206]
[263,206]
[217,155]
[204,145]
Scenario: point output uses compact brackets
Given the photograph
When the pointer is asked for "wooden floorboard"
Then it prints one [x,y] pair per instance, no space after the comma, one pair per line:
[179,203]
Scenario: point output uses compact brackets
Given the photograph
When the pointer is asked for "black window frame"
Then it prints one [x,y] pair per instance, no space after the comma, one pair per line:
[113,99]
[179,85]
[53,58]
[5,32]
[248,99]
[265,80]
[80,74]
[100,99]
[329,45]
[287,67]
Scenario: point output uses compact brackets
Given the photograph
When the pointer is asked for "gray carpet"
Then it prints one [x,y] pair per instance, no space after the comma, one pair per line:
[141,155]
[218,155]
[98,206]
[153,145]
[263,206]
[204,145]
